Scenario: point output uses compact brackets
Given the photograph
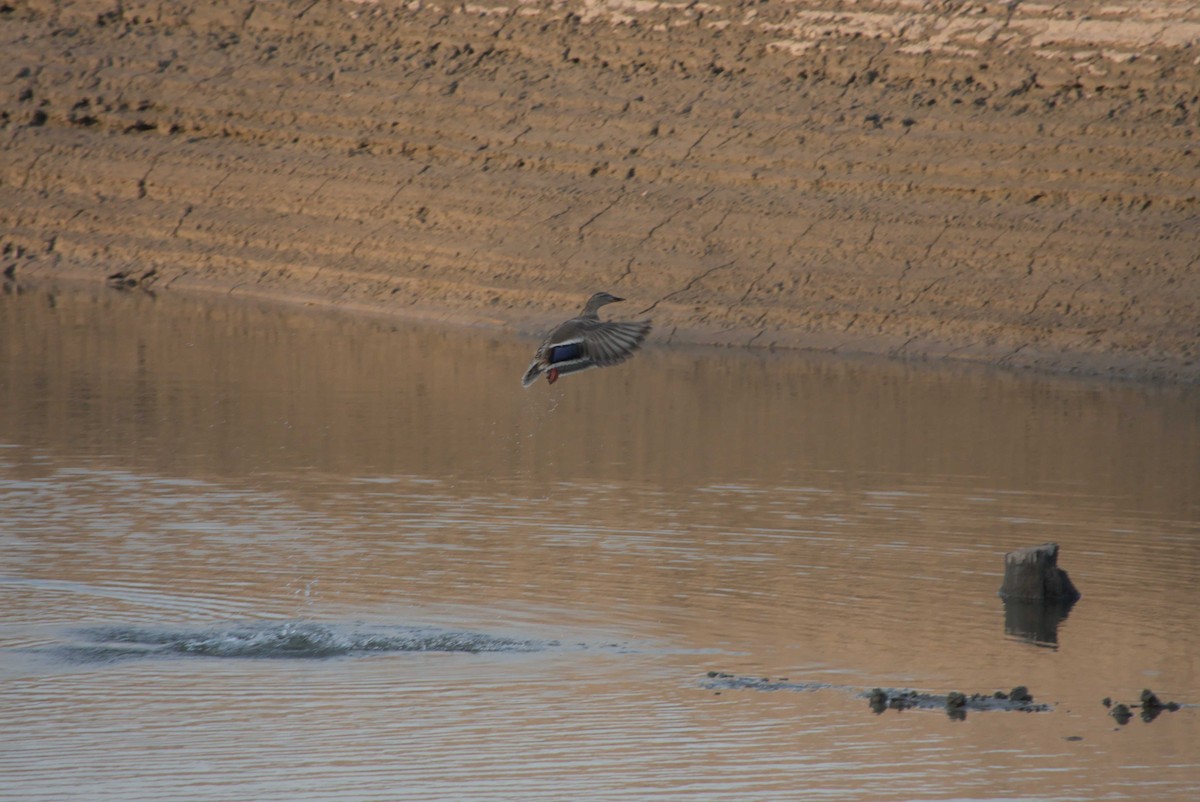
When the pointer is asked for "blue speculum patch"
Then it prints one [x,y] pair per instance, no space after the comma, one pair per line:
[564,353]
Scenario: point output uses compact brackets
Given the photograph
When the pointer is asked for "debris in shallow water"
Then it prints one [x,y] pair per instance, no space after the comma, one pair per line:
[1150,701]
[881,699]
[1152,707]
[955,703]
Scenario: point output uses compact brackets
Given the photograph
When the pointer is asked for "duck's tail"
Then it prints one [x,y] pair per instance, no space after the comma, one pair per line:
[535,370]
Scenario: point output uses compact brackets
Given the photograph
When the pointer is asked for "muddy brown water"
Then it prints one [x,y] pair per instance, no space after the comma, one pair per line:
[255,552]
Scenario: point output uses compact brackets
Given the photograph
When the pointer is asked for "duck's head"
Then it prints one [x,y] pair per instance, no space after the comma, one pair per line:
[600,299]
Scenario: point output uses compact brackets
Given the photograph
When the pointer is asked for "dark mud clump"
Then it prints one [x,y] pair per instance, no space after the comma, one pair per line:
[955,703]
[1151,708]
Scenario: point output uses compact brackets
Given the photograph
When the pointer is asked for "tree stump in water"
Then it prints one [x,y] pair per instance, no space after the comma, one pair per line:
[1032,574]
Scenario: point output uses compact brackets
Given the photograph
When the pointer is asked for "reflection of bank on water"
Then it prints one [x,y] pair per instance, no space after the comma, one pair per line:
[358,550]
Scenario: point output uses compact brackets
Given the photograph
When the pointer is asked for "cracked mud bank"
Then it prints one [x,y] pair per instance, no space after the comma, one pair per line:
[1008,183]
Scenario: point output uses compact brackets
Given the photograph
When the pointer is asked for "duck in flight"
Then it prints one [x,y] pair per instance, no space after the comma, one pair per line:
[586,342]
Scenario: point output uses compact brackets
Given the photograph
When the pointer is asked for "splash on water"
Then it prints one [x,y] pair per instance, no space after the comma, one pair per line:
[299,640]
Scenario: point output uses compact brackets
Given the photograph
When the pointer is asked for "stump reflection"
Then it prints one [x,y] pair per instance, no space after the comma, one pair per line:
[1035,621]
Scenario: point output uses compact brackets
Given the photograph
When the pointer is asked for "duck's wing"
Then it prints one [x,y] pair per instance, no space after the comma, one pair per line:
[610,342]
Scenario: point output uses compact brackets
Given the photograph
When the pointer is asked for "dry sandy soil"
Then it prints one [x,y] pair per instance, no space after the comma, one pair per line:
[1014,183]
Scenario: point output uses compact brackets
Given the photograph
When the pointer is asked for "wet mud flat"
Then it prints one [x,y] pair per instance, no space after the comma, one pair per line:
[1008,183]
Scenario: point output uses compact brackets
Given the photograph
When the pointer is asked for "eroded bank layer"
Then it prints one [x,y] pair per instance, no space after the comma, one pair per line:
[1009,182]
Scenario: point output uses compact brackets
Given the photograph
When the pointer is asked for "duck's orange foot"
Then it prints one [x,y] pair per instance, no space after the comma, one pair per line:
[552,376]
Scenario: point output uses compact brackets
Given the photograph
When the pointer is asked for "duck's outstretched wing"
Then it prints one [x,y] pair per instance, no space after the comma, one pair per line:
[613,341]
